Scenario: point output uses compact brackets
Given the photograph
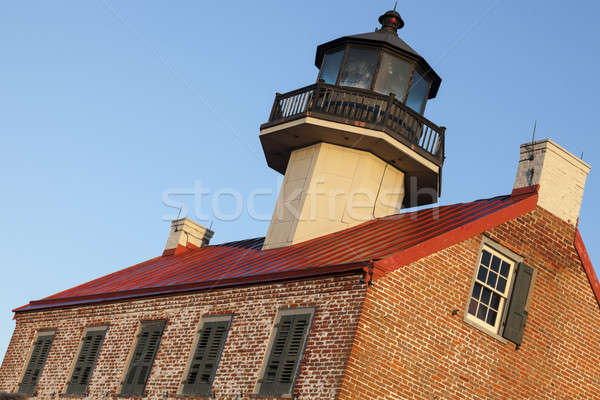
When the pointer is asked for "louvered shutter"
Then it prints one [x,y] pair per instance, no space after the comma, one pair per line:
[206,358]
[37,360]
[143,357]
[86,361]
[516,316]
[286,351]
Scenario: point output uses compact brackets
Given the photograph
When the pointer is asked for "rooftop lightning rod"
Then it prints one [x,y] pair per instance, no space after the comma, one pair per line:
[533,139]
[531,171]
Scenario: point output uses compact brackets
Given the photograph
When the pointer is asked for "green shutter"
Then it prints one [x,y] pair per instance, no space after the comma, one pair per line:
[143,358]
[286,352]
[37,360]
[205,361]
[516,316]
[86,361]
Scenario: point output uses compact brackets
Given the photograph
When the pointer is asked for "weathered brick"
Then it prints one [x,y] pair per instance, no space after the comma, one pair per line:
[337,301]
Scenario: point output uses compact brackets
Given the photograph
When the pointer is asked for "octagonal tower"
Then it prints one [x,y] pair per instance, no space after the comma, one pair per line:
[355,145]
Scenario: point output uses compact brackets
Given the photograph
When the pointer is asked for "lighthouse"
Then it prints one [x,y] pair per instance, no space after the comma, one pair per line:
[355,145]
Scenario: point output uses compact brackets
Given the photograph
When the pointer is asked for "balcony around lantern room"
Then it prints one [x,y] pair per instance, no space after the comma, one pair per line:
[365,98]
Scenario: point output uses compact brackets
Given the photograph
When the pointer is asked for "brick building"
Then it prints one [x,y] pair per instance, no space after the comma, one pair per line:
[490,299]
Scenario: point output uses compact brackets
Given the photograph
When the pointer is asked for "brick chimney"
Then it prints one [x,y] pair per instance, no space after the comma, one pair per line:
[560,175]
[186,235]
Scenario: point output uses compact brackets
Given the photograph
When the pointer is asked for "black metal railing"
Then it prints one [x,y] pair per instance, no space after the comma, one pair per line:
[363,108]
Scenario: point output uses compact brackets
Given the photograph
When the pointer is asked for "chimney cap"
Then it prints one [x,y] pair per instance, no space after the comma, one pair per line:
[560,175]
[185,235]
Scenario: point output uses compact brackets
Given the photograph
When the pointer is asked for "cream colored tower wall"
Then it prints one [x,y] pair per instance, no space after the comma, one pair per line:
[328,188]
[560,174]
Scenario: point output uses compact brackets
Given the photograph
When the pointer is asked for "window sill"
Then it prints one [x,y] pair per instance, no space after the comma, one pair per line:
[488,332]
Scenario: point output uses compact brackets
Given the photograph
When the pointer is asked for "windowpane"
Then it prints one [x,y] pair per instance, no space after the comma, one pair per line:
[359,68]
[393,76]
[485,296]
[473,307]
[417,95]
[485,258]
[495,301]
[495,264]
[491,318]
[491,280]
[476,290]
[482,312]
[482,274]
[331,66]
[505,268]
[501,287]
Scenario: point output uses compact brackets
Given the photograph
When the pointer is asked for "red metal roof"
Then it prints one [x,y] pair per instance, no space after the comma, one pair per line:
[376,246]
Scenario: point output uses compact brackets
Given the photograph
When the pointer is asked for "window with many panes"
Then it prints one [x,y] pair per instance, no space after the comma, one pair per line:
[500,293]
[490,288]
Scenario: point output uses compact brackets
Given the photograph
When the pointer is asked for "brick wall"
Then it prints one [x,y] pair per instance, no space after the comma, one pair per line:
[409,345]
[337,300]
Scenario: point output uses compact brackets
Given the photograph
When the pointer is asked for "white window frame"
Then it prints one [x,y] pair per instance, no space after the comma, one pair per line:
[513,259]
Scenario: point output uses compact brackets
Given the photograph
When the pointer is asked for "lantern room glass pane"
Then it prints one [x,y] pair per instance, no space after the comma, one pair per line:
[331,66]
[417,95]
[359,68]
[393,76]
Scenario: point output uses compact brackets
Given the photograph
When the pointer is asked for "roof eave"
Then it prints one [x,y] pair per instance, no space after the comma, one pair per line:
[305,273]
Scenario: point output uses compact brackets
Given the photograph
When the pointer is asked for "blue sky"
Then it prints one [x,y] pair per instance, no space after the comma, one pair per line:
[106,105]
